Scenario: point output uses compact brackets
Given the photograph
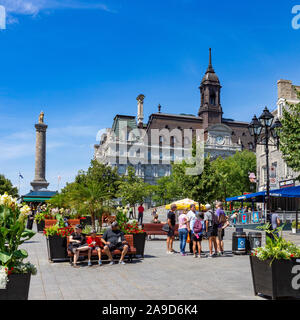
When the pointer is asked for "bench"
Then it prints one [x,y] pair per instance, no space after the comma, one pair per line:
[108,219]
[131,251]
[156,229]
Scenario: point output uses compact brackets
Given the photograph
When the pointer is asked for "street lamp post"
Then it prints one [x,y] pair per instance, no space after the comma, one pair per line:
[263,130]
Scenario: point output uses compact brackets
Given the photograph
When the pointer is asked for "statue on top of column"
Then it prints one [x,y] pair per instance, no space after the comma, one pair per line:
[41,117]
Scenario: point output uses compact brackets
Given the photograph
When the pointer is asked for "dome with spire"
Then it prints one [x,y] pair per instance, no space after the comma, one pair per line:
[210,75]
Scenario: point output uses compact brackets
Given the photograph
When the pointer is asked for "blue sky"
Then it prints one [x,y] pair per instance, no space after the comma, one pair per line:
[83,62]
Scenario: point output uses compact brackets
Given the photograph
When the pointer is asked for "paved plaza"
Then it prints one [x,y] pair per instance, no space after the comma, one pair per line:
[157,276]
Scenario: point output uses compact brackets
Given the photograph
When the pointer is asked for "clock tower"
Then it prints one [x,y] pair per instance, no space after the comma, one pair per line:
[210,109]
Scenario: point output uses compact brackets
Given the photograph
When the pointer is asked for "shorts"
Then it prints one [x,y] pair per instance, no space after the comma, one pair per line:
[171,232]
[118,246]
[220,234]
[212,232]
[74,249]
[94,248]
[195,239]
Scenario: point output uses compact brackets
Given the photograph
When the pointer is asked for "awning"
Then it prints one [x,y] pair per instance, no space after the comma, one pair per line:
[290,192]
[35,199]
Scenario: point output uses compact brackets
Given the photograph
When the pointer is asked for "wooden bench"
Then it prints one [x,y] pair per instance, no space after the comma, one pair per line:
[156,229]
[52,222]
[131,251]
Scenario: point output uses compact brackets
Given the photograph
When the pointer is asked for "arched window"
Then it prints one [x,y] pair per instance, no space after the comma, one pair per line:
[212,99]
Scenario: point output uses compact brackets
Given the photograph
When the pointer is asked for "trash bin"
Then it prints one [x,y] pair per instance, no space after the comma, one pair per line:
[254,241]
[239,240]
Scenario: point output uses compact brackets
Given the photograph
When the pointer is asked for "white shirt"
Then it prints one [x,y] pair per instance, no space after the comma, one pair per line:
[191,216]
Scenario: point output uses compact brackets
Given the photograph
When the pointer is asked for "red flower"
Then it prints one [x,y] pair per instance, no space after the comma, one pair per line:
[292,255]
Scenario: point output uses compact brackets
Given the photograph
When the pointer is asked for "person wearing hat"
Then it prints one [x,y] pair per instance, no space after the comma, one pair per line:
[94,244]
[113,239]
[211,228]
[77,243]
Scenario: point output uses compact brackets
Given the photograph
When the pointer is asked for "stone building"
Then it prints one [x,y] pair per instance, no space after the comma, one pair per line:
[169,136]
[280,174]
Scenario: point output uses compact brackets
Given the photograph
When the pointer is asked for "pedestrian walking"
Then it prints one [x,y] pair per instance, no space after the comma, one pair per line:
[197,228]
[222,224]
[191,215]
[274,223]
[183,231]
[154,212]
[211,226]
[171,222]
[141,214]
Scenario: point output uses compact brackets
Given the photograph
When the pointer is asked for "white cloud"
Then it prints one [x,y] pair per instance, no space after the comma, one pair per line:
[34,7]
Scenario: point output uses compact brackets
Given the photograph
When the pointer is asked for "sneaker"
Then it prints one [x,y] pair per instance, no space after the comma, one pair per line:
[100,263]
[183,254]
[76,266]
[195,256]
[89,263]
[219,254]
[211,255]
[222,253]
[122,262]
[111,263]
[171,252]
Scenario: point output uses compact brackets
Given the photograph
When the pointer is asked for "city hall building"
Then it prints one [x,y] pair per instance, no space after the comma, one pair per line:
[152,146]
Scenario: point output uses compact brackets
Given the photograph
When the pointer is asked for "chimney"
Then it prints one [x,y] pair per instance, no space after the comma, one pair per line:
[140,113]
[284,89]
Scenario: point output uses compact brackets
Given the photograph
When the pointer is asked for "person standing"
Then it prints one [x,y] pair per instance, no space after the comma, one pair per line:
[183,231]
[197,228]
[191,215]
[222,224]
[171,222]
[154,212]
[130,213]
[141,213]
[274,221]
[30,217]
[211,228]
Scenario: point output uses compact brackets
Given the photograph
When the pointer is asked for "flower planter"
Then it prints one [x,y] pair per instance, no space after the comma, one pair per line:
[57,248]
[280,280]
[139,240]
[40,226]
[17,287]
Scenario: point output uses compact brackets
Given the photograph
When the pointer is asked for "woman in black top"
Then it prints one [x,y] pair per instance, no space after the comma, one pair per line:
[77,243]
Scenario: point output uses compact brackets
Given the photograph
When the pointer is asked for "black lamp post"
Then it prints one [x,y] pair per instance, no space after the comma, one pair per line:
[262,130]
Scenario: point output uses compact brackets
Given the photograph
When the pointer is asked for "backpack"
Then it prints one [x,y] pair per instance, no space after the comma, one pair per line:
[198,226]
[222,218]
[215,220]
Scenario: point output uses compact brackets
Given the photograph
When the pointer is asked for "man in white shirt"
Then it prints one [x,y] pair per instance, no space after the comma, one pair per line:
[191,215]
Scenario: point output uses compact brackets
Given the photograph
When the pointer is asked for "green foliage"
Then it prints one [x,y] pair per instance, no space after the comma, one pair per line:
[13,234]
[276,248]
[132,189]
[290,136]
[294,224]
[6,186]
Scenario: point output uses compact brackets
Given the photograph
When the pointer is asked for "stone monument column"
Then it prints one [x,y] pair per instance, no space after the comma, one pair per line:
[40,181]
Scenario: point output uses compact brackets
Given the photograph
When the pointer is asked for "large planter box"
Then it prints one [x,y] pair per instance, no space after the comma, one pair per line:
[17,287]
[139,240]
[40,226]
[86,222]
[280,280]
[57,248]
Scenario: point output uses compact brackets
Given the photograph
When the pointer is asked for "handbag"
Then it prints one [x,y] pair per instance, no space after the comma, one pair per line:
[166,227]
[188,240]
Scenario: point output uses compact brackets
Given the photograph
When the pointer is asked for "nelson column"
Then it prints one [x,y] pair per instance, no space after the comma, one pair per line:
[40,181]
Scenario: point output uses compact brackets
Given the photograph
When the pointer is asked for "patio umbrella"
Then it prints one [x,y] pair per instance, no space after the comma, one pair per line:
[185,204]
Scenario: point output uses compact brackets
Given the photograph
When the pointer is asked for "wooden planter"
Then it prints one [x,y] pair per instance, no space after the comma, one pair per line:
[40,226]
[139,240]
[280,280]
[17,287]
[57,248]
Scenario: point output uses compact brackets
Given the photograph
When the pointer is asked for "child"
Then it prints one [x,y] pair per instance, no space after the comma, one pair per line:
[197,228]
[94,243]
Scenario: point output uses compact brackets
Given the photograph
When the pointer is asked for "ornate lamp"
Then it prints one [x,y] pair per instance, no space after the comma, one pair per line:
[266,118]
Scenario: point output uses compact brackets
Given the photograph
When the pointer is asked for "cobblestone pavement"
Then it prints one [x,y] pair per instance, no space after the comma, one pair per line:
[158,276]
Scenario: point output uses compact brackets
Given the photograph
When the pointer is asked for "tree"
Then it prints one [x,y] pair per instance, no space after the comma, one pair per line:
[6,186]
[289,136]
[132,189]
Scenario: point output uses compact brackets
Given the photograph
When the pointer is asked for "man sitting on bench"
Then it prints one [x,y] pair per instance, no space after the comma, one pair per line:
[114,239]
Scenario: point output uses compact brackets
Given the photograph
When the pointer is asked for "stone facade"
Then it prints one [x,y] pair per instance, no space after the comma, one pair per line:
[175,132]
[280,173]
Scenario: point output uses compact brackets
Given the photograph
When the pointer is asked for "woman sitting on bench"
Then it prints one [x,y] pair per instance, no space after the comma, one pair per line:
[77,243]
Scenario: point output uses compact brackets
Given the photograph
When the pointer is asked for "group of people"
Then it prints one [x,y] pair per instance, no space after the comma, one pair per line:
[112,239]
[194,226]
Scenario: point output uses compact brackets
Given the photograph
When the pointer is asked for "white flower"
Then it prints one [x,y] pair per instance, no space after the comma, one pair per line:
[3,278]
[25,210]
